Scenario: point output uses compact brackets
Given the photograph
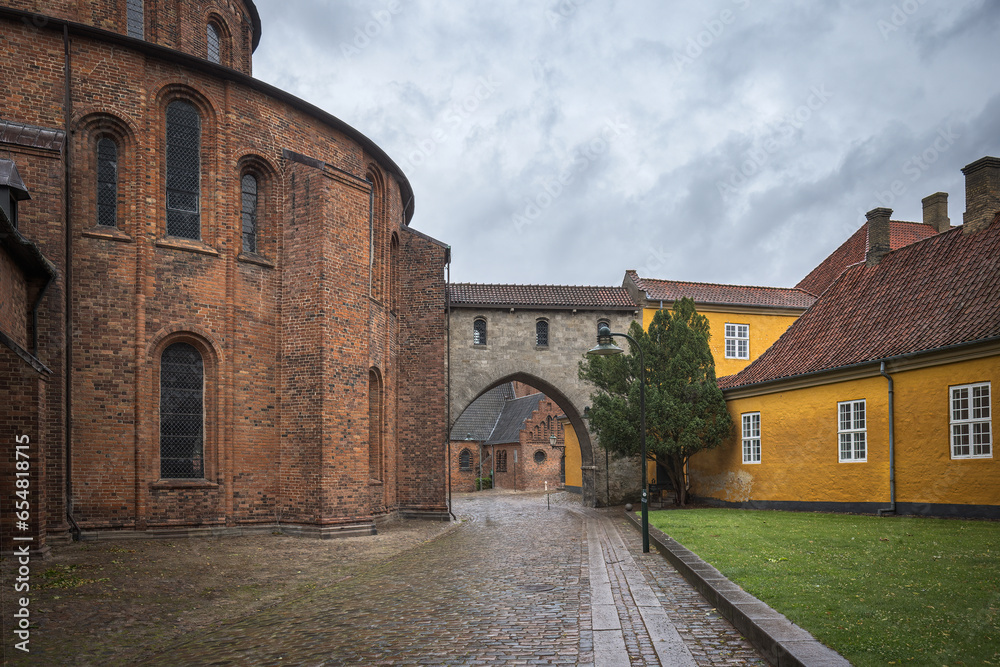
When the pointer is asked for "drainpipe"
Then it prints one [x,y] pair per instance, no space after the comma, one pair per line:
[447,302]
[891,509]
[68,282]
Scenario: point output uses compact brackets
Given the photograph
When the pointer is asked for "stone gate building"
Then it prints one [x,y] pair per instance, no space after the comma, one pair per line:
[242,330]
[538,334]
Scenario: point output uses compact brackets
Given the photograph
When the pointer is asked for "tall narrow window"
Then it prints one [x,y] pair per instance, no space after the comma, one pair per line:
[479,332]
[502,460]
[737,341]
[182,417]
[135,19]
[183,171]
[465,460]
[107,182]
[541,333]
[751,437]
[971,421]
[248,187]
[852,431]
[374,425]
[212,39]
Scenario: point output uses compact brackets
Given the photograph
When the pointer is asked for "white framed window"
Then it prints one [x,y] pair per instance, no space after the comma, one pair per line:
[852,431]
[751,437]
[737,341]
[971,421]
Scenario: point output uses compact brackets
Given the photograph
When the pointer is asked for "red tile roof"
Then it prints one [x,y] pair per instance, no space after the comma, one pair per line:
[853,250]
[730,295]
[939,292]
[540,296]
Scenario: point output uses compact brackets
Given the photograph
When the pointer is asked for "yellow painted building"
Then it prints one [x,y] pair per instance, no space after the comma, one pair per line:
[743,321]
[817,426]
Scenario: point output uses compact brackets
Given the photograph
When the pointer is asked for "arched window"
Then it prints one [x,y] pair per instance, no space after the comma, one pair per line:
[502,460]
[182,412]
[603,323]
[465,460]
[107,182]
[479,332]
[212,40]
[248,188]
[183,171]
[135,20]
[541,333]
[374,425]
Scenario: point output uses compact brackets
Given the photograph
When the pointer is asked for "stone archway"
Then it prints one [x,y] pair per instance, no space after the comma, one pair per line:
[491,344]
[572,410]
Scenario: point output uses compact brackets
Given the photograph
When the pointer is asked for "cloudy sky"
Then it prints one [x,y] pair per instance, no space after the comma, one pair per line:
[734,141]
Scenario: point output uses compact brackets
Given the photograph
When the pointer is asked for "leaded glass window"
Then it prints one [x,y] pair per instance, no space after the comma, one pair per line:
[135,20]
[248,187]
[182,413]
[541,333]
[213,43]
[465,460]
[107,182]
[479,332]
[183,171]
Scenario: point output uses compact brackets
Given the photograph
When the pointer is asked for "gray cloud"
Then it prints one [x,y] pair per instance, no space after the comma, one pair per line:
[751,137]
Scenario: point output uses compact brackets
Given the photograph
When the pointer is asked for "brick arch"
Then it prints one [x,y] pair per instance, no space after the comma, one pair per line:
[270,191]
[90,126]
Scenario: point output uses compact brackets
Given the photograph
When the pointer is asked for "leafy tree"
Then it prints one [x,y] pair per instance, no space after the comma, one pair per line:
[685,411]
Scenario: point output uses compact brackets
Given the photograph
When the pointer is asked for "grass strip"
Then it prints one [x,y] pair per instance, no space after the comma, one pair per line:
[880,591]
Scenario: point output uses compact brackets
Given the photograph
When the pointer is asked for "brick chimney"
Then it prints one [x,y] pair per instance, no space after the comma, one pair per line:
[878,235]
[936,211]
[982,193]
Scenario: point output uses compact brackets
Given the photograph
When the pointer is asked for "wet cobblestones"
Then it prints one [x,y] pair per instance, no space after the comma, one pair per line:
[510,586]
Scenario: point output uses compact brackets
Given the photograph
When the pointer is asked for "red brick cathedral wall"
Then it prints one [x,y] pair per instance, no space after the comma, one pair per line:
[338,291]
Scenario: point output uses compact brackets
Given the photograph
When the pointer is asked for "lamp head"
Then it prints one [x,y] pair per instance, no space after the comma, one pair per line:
[605,347]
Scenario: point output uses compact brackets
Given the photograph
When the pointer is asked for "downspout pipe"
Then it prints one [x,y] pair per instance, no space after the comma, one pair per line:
[447,305]
[891,509]
[68,282]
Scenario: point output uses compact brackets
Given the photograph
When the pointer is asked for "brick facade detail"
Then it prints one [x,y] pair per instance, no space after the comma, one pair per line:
[337,291]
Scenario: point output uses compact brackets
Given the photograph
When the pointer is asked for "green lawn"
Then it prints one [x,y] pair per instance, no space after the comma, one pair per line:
[880,591]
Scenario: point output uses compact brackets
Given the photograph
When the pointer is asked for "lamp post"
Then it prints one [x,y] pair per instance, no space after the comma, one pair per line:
[606,348]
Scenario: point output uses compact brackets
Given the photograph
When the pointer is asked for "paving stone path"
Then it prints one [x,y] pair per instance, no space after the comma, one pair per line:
[516,583]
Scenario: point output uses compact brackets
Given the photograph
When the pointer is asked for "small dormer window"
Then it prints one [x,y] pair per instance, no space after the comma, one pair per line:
[213,43]
[12,190]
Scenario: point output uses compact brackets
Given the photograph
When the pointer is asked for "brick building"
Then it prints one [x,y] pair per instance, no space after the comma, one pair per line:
[507,434]
[242,329]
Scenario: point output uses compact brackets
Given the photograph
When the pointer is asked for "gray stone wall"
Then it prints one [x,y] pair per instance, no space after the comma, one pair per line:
[511,353]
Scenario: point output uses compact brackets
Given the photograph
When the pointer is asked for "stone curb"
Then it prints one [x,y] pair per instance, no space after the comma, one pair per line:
[781,642]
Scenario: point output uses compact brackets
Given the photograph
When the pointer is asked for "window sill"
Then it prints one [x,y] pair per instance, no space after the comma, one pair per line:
[253,258]
[183,484]
[374,482]
[108,234]
[478,346]
[189,245]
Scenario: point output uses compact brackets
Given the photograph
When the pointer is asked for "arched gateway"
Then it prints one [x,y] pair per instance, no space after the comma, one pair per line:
[535,334]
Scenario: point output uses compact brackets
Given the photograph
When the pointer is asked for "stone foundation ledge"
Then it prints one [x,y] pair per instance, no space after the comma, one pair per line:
[781,642]
[182,532]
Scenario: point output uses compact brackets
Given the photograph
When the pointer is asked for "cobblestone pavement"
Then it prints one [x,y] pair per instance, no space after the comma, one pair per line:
[516,584]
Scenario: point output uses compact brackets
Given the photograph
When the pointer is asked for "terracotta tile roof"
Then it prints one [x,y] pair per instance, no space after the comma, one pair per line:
[939,292]
[741,295]
[853,250]
[540,296]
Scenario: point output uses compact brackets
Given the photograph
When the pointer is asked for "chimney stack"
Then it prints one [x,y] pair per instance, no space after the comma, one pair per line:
[936,211]
[878,235]
[982,193]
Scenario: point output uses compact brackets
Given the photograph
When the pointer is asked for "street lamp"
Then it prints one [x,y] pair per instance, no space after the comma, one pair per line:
[606,348]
